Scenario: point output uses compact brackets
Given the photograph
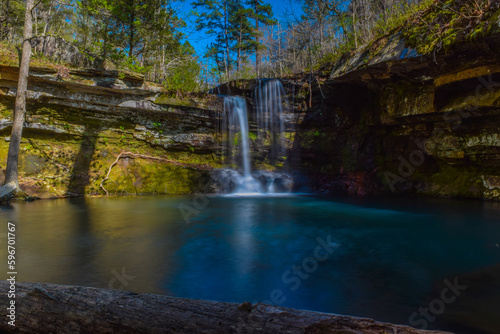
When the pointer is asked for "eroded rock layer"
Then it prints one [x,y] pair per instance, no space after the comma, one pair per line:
[426,125]
[79,121]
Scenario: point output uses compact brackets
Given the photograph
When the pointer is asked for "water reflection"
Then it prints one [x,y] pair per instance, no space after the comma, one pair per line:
[391,254]
[244,243]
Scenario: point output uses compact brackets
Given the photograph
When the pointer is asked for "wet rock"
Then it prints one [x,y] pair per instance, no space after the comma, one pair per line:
[224,180]
[8,191]
[274,182]
[227,181]
[45,195]
[283,183]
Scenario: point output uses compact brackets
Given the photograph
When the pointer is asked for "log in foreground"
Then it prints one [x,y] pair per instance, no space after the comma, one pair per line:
[51,308]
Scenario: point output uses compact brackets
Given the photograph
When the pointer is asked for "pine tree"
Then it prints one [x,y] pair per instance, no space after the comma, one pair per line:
[261,13]
[241,31]
[11,19]
[215,20]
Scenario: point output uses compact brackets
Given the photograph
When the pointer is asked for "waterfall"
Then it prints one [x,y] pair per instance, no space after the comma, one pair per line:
[269,100]
[236,120]
[235,110]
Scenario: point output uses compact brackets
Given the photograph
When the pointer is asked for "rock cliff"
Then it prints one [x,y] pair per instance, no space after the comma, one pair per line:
[79,121]
[387,121]
[391,121]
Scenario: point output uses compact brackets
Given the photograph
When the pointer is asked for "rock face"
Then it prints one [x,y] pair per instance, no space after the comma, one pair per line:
[60,50]
[394,122]
[387,121]
[386,49]
[79,121]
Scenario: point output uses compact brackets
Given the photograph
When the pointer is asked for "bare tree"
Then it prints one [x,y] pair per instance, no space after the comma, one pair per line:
[20,106]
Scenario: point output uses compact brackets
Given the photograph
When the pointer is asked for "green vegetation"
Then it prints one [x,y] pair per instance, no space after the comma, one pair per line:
[400,17]
[8,54]
[143,37]
[426,25]
[77,161]
[229,21]
[443,23]
[248,39]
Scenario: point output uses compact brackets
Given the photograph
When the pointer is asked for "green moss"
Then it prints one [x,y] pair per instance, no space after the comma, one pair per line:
[165,99]
[452,181]
[192,100]
[6,110]
[440,24]
[147,177]
[66,163]
[8,54]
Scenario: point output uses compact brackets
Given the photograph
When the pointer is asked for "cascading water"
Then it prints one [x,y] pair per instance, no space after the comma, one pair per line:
[235,109]
[235,113]
[268,116]
[269,98]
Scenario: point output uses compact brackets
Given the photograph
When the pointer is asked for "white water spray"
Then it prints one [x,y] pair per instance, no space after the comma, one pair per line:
[269,99]
[235,110]
[268,106]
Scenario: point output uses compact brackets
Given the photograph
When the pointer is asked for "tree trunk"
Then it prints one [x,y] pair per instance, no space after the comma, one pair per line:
[226,37]
[143,53]
[293,49]
[354,23]
[20,107]
[132,31]
[238,57]
[280,58]
[105,41]
[4,24]
[257,53]
[46,28]
[51,308]
[257,39]
[36,22]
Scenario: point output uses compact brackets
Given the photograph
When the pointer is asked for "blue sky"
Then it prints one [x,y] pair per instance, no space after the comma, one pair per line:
[199,40]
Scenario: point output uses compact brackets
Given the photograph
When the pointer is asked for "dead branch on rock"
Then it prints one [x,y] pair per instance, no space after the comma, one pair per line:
[149,157]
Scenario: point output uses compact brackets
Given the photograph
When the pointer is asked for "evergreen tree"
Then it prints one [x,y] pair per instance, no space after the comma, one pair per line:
[241,32]
[94,26]
[11,19]
[215,20]
[140,34]
[52,17]
[261,13]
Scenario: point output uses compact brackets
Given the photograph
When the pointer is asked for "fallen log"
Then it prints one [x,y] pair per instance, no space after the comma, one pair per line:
[51,308]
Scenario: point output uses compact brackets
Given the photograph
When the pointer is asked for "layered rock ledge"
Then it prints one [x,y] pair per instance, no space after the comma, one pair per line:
[391,121]
[79,121]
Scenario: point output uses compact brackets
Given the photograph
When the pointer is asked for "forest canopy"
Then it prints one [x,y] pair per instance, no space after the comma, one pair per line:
[247,38]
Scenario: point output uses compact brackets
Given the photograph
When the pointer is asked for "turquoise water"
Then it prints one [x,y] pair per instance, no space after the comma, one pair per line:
[380,258]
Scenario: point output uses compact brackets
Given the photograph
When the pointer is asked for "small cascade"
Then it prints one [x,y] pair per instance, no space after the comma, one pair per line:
[269,102]
[235,109]
[236,120]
